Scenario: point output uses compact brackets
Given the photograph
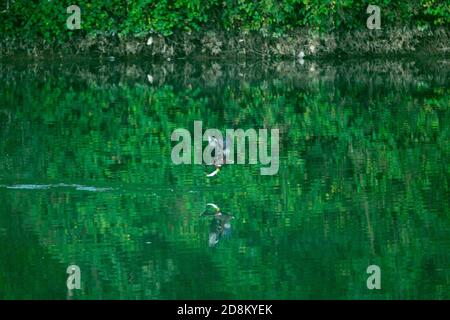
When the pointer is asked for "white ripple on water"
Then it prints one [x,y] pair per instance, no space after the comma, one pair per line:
[59,185]
[29,186]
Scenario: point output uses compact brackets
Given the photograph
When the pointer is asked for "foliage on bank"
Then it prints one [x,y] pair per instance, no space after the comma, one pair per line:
[44,22]
[46,19]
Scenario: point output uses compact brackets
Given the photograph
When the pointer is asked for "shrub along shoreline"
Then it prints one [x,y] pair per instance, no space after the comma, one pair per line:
[228,28]
[214,44]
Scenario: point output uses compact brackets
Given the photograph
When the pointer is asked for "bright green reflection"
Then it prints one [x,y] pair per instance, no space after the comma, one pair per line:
[86,178]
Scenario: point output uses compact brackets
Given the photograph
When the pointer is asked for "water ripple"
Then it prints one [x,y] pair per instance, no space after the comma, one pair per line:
[59,185]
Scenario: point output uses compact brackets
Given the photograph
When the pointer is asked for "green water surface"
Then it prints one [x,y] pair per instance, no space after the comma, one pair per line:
[86,178]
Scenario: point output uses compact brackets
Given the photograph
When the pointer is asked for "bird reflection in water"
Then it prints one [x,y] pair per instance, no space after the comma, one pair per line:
[220,226]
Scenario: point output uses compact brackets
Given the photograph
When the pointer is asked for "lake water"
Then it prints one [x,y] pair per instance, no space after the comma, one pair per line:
[86,179]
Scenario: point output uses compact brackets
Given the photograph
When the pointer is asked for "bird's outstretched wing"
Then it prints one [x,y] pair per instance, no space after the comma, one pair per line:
[214,206]
[212,174]
[215,142]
